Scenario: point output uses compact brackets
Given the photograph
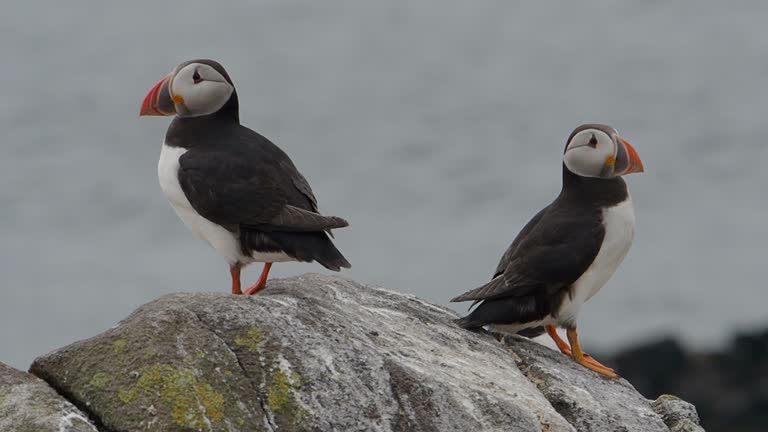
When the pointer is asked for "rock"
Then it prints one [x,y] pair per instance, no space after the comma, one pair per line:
[27,404]
[678,415]
[320,353]
[588,402]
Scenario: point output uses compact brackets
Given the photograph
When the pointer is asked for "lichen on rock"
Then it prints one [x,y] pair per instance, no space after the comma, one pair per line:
[323,353]
[99,380]
[281,398]
[250,340]
[192,403]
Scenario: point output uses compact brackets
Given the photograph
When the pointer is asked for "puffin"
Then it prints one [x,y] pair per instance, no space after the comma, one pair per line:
[231,186]
[567,252]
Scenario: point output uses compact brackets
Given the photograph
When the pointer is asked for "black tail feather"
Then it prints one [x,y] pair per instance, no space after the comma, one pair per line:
[508,310]
[310,246]
[531,332]
[468,323]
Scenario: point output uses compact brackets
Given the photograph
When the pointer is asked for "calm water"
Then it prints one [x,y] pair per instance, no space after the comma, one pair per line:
[436,127]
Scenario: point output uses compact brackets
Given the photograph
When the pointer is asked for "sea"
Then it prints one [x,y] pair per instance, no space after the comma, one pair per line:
[436,127]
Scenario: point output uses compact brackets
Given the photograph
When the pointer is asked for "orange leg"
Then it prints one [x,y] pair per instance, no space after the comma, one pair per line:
[561,345]
[581,359]
[259,285]
[234,271]
[565,349]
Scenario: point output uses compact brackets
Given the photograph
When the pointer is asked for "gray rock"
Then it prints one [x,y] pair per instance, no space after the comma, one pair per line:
[27,404]
[320,353]
[586,400]
[678,415]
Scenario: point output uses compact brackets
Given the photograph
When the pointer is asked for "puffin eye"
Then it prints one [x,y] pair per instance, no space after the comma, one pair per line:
[196,77]
[593,141]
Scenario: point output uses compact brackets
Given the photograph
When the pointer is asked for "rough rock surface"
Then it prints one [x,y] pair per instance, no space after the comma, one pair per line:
[588,402]
[678,415]
[319,353]
[28,404]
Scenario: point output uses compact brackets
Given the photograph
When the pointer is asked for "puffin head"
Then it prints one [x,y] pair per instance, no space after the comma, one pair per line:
[195,88]
[598,151]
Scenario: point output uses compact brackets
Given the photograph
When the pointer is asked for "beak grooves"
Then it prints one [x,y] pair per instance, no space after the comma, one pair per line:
[158,101]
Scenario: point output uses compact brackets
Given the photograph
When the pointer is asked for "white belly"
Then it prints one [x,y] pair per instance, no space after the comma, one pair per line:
[225,242]
[619,224]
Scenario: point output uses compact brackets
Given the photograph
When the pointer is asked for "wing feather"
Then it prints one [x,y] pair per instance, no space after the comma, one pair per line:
[551,252]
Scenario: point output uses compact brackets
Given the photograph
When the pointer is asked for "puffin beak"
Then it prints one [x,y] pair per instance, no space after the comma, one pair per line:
[159,101]
[627,159]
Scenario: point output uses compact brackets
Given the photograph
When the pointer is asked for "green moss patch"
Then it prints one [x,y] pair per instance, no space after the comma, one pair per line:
[99,380]
[192,403]
[280,390]
[251,339]
[118,346]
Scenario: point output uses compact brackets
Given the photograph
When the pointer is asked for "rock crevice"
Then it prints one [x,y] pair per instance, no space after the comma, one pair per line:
[28,404]
[268,416]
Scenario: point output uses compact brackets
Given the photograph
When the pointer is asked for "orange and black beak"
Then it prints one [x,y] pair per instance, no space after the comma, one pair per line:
[159,101]
[627,160]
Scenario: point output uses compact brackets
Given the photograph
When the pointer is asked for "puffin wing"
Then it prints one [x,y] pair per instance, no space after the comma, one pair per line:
[300,195]
[506,258]
[552,254]
[294,219]
[230,190]
[257,149]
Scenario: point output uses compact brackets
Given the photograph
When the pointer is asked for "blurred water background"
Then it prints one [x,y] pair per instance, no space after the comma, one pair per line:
[436,127]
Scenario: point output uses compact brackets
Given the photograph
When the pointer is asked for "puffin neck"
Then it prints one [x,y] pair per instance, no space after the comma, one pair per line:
[188,132]
[599,191]
[230,110]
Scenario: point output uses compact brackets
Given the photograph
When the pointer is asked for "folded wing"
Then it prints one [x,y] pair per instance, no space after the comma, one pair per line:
[231,191]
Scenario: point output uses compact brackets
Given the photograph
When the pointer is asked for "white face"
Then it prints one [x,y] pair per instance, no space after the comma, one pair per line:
[198,89]
[589,153]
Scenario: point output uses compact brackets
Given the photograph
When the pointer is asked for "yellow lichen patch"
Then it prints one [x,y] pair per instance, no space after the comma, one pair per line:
[295,380]
[149,353]
[668,397]
[118,346]
[99,380]
[280,390]
[192,403]
[250,339]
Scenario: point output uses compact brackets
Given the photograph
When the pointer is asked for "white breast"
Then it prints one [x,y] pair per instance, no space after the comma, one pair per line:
[619,222]
[219,238]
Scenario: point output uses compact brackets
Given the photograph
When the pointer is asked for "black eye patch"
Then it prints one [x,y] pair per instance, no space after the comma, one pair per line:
[196,77]
[593,141]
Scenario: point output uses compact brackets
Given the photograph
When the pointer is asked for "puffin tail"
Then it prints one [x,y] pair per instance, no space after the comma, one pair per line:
[468,323]
[311,246]
[531,332]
